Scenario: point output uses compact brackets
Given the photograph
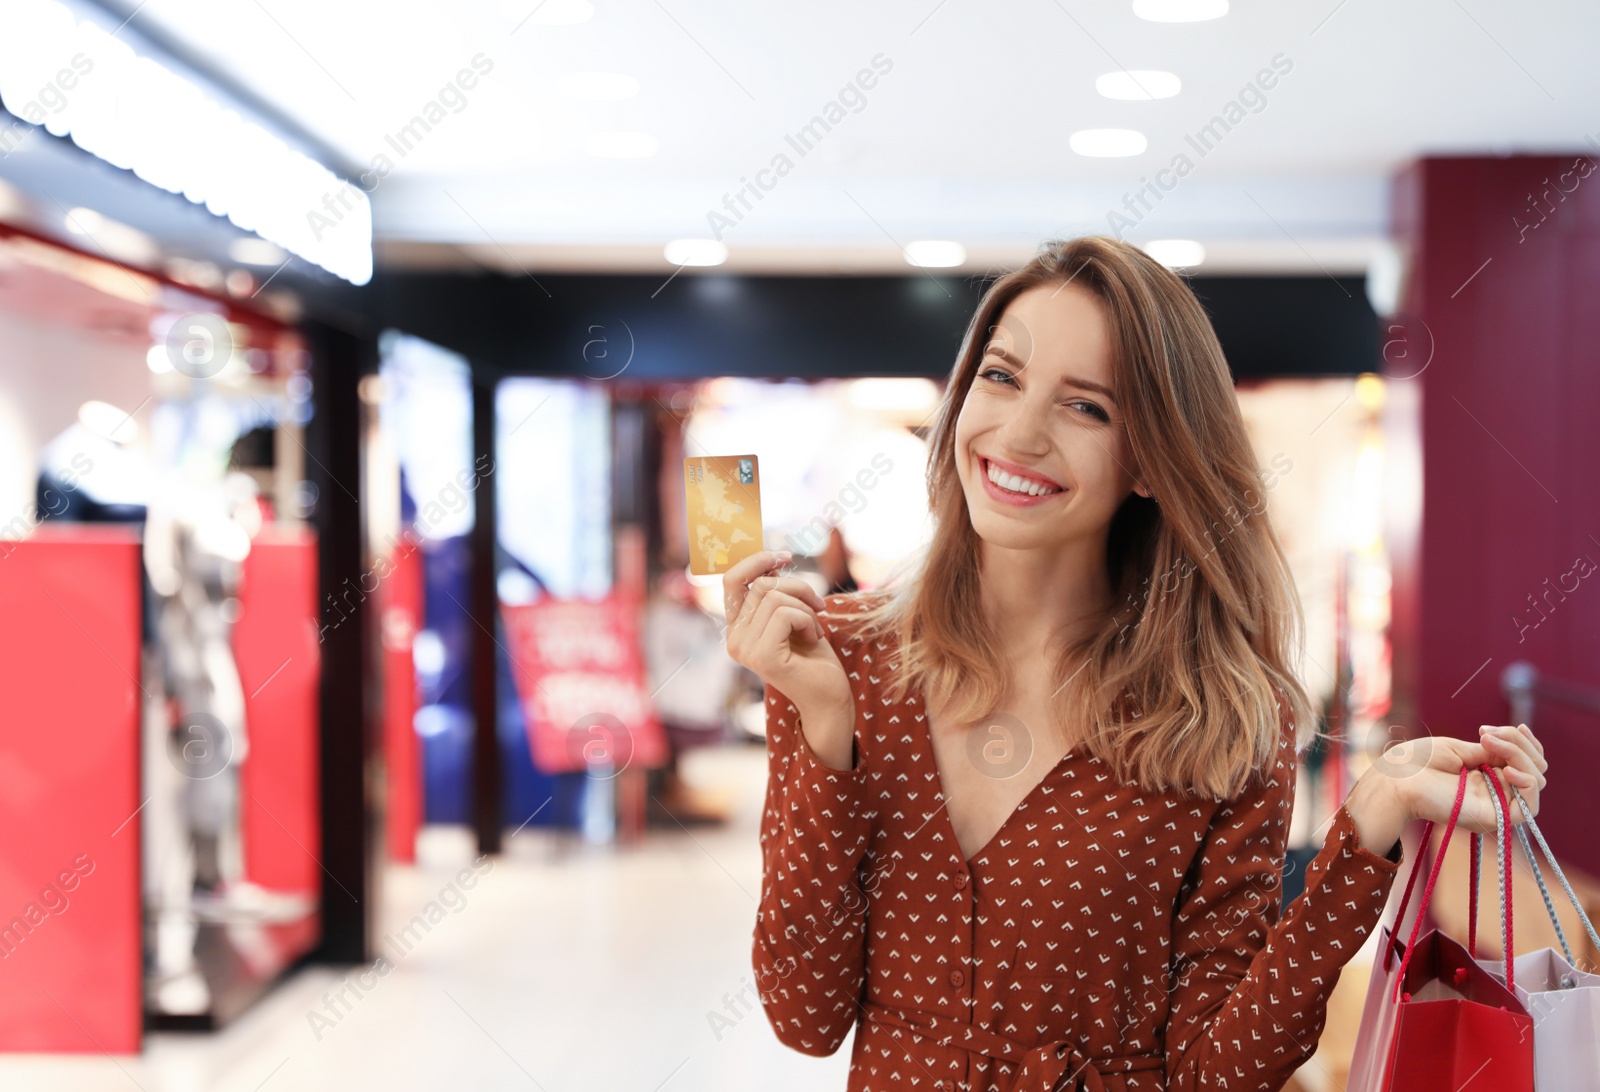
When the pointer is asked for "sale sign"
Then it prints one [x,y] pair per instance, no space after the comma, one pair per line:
[580,677]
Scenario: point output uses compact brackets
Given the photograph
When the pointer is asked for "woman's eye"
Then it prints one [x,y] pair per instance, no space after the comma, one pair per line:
[1088,408]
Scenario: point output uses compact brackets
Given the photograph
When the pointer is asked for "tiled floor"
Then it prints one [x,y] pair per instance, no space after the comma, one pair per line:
[567,968]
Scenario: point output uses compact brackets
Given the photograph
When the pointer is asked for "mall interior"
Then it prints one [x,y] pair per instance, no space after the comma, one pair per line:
[367,726]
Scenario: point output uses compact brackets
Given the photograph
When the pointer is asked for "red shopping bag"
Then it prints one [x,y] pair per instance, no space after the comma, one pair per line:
[1434,1019]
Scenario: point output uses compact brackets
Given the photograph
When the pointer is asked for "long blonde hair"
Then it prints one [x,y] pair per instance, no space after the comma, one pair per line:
[1180,688]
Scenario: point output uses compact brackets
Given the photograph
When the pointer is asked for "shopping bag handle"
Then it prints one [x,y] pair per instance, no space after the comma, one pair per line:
[1538,875]
[1501,818]
[1433,879]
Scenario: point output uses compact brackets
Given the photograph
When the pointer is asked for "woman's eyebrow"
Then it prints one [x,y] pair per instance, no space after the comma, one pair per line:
[1066,380]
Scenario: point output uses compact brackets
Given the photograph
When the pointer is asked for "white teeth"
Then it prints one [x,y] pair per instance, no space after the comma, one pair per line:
[1016,484]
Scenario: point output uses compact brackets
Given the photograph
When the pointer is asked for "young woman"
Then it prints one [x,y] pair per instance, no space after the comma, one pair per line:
[1027,809]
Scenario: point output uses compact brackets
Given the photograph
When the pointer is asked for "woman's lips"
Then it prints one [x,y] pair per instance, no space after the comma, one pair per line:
[1004,496]
[1020,471]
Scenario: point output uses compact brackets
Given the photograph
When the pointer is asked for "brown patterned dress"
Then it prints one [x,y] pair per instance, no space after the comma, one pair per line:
[1104,938]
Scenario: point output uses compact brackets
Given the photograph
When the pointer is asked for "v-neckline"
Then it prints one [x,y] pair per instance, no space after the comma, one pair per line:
[944,797]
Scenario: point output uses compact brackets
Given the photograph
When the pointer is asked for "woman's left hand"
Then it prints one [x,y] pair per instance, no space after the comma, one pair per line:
[1513,752]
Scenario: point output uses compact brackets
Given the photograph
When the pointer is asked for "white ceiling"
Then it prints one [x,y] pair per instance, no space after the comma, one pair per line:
[965,138]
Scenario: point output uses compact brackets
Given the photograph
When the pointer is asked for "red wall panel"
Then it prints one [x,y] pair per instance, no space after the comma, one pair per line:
[1503,275]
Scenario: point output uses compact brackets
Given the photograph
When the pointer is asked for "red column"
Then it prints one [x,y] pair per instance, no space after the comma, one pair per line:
[1495,522]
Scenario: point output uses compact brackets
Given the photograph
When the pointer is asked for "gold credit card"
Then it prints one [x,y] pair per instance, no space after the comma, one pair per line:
[723,494]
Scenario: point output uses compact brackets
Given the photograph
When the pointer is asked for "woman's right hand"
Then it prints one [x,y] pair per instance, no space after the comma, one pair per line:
[773,629]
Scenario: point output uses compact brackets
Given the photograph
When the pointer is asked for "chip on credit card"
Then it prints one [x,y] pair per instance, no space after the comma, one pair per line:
[723,495]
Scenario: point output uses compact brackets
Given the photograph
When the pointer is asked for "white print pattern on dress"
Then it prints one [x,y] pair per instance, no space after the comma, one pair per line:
[1137,934]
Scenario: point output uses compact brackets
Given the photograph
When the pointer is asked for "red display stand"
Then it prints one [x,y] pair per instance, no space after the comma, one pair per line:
[279,656]
[70,947]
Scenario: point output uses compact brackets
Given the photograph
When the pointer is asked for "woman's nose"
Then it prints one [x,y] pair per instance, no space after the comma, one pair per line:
[1025,431]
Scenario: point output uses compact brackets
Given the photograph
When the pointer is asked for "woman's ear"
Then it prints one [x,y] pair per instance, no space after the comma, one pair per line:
[1141,489]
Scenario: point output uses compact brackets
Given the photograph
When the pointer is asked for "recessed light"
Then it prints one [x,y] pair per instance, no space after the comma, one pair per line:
[548,13]
[1140,85]
[596,86]
[1108,142]
[621,145]
[894,395]
[1180,11]
[256,252]
[12,204]
[696,252]
[113,237]
[82,221]
[1175,253]
[935,253]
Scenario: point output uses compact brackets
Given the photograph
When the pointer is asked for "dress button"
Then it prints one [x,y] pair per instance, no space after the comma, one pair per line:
[957,978]
[961,880]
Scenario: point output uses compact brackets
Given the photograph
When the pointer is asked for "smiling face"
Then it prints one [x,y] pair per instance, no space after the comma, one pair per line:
[1042,406]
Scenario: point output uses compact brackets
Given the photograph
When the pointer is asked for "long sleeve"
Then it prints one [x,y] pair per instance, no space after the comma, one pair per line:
[810,933]
[1249,991]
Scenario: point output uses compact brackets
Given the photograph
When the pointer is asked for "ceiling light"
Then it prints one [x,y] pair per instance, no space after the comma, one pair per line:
[81,221]
[1179,11]
[112,237]
[696,252]
[1176,253]
[195,273]
[12,205]
[596,86]
[935,253]
[137,114]
[256,252]
[548,13]
[1141,85]
[886,394]
[1108,142]
[621,145]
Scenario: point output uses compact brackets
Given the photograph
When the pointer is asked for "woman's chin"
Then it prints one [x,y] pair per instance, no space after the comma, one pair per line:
[996,530]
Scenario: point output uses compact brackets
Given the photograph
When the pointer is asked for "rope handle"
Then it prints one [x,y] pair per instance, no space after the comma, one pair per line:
[1426,843]
[1433,879]
[1502,842]
[1522,833]
[1502,831]
[1472,900]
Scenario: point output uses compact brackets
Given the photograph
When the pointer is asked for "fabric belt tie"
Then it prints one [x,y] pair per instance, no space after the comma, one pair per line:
[1039,1068]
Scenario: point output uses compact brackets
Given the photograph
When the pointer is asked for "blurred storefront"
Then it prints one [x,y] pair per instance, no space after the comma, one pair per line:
[161,590]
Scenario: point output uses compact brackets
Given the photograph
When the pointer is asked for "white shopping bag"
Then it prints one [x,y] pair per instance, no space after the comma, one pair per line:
[1563,1001]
